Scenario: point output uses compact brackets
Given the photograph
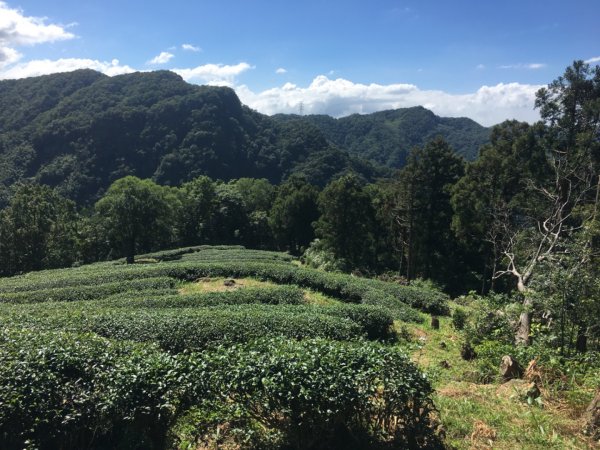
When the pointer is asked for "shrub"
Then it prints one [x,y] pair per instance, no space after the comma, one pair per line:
[324,394]
[344,287]
[459,318]
[70,391]
[91,292]
[195,329]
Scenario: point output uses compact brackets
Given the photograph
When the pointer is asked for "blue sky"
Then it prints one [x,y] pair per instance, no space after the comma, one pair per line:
[479,59]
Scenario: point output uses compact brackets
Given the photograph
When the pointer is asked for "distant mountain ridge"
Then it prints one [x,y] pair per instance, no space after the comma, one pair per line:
[387,137]
[80,131]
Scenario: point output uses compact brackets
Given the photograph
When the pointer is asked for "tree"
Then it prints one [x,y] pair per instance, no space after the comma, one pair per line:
[347,222]
[230,220]
[293,212]
[421,213]
[257,195]
[38,230]
[570,111]
[137,215]
[494,190]
[198,203]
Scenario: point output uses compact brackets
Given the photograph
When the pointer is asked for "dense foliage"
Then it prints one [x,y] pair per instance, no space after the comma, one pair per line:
[82,130]
[71,376]
[387,137]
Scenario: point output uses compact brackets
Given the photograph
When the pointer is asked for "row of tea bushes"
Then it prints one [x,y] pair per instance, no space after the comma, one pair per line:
[87,292]
[270,295]
[73,391]
[233,262]
[322,394]
[196,328]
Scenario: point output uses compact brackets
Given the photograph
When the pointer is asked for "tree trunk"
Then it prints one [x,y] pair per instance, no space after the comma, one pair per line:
[581,343]
[131,251]
[522,336]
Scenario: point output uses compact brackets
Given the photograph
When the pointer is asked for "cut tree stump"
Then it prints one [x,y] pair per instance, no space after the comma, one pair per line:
[467,352]
[592,418]
[510,368]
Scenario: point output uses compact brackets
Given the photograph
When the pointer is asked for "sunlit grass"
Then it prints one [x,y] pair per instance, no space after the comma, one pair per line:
[318,298]
[218,285]
[491,416]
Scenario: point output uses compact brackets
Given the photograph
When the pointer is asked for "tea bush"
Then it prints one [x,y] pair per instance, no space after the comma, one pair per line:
[91,292]
[73,391]
[323,394]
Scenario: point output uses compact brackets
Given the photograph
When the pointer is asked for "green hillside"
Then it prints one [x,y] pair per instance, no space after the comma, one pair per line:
[162,353]
[82,130]
[387,137]
[224,347]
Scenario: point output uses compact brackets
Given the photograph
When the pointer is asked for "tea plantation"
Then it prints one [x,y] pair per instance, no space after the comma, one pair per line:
[210,347]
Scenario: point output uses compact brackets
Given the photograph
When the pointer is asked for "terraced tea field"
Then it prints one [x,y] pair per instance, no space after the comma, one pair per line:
[210,347]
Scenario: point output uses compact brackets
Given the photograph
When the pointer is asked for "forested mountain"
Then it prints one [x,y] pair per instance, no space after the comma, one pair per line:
[82,130]
[387,137]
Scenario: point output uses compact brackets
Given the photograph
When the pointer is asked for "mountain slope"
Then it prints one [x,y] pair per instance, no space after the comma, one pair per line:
[387,136]
[80,131]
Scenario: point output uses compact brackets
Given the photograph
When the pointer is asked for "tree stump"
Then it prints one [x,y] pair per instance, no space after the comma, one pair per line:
[510,368]
[435,323]
[592,418]
[444,364]
[229,283]
[467,352]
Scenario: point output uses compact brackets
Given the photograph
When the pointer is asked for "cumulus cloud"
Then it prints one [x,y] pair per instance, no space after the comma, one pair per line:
[8,56]
[595,59]
[214,74]
[18,30]
[280,71]
[46,66]
[530,66]
[162,58]
[190,48]
[488,105]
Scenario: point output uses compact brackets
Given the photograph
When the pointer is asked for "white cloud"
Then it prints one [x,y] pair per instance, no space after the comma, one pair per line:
[595,59]
[530,66]
[18,30]
[480,66]
[280,71]
[488,105]
[191,48]
[162,58]
[214,74]
[8,56]
[46,66]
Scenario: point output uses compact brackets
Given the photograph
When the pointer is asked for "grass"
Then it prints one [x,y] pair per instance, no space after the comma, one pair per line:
[318,298]
[218,285]
[486,416]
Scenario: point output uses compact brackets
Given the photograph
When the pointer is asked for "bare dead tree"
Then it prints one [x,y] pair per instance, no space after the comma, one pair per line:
[570,187]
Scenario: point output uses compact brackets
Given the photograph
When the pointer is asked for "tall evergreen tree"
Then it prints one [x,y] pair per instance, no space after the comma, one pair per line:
[198,204]
[423,214]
